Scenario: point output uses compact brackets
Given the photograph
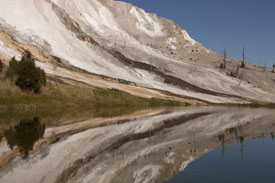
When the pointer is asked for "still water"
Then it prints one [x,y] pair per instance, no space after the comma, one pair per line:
[250,162]
[192,144]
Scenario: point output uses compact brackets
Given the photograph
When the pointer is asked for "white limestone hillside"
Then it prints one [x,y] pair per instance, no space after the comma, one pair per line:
[120,41]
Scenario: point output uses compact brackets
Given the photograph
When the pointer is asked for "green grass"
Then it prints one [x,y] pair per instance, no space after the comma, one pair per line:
[55,96]
[34,102]
[118,98]
[98,98]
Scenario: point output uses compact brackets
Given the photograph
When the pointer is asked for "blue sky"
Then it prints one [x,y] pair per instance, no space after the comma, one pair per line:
[229,23]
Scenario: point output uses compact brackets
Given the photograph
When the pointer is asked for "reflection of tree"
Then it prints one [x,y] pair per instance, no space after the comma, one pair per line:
[242,146]
[222,140]
[25,134]
[236,132]
[272,135]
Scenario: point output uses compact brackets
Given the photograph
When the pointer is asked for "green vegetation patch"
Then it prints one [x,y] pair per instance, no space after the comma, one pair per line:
[115,97]
[28,76]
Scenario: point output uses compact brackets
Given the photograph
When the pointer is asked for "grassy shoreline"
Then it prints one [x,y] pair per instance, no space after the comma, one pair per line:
[63,96]
[59,96]
[55,96]
[102,98]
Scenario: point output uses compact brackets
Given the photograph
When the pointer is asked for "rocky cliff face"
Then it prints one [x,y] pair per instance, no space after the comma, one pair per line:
[138,52]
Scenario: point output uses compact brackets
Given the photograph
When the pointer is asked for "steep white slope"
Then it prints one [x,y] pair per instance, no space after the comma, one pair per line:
[36,19]
[121,27]
[144,21]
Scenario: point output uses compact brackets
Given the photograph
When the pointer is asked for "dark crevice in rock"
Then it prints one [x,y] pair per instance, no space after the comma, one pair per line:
[72,25]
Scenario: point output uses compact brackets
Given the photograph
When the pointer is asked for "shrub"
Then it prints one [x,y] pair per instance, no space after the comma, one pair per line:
[12,70]
[10,73]
[1,65]
[14,64]
[42,74]
[30,77]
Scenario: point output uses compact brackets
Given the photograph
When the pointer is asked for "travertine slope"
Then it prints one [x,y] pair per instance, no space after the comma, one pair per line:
[122,42]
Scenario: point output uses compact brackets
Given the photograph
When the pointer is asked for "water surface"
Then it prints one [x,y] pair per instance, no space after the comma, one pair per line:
[192,144]
[250,162]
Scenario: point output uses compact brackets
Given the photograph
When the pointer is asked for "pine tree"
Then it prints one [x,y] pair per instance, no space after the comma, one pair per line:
[28,75]
[42,74]
[12,70]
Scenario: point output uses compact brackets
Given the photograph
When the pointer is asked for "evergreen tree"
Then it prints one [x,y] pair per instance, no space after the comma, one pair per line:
[12,70]
[28,75]
[14,65]
[42,74]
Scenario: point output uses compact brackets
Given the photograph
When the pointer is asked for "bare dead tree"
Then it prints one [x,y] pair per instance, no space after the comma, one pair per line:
[243,58]
[240,77]
[224,58]
[223,64]
[243,54]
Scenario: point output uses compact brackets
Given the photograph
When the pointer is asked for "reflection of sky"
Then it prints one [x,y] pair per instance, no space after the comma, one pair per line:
[256,165]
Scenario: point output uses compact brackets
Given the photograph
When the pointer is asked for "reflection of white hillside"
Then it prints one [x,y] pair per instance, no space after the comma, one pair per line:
[148,149]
